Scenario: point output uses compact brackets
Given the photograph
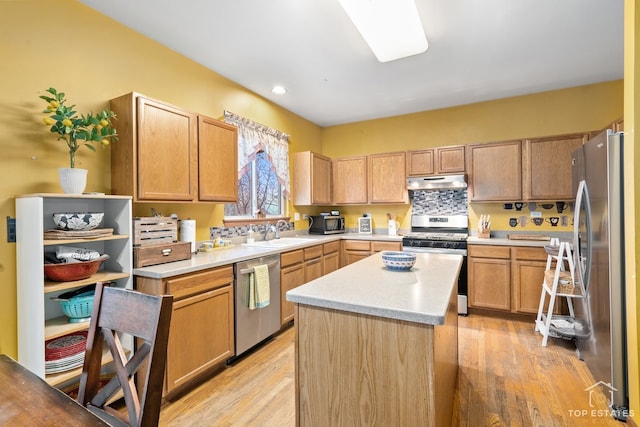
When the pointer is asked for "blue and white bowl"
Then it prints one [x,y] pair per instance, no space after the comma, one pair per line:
[398,261]
[77,221]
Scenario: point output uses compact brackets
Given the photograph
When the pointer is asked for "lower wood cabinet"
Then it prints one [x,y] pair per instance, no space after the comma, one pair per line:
[202,333]
[528,265]
[507,278]
[291,276]
[355,250]
[330,257]
[312,263]
[489,275]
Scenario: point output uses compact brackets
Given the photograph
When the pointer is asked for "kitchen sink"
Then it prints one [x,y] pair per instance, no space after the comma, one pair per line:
[279,243]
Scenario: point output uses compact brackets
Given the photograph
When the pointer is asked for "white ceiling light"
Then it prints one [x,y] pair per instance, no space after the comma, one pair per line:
[279,90]
[391,28]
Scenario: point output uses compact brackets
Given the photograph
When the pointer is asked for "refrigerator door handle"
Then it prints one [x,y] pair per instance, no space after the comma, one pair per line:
[582,202]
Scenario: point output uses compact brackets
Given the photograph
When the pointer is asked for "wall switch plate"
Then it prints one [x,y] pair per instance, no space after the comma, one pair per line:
[296,216]
[11,230]
[536,214]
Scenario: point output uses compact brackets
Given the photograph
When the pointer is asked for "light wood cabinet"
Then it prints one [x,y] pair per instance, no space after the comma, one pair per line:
[311,179]
[159,156]
[507,278]
[291,276]
[489,275]
[330,257]
[436,161]
[387,178]
[39,316]
[495,171]
[547,167]
[355,250]
[217,160]
[528,265]
[312,263]
[350,180]
[201,336]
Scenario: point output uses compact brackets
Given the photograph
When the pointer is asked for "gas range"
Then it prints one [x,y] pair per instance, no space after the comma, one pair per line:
[437,234]
[445,234]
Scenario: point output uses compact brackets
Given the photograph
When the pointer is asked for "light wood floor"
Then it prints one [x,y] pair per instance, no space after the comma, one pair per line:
[505,379]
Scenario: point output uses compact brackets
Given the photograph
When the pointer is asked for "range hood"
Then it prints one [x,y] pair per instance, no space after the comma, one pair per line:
[443,182]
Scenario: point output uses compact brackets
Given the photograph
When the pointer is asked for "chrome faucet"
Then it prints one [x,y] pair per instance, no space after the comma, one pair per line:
[267,228]
[277,227]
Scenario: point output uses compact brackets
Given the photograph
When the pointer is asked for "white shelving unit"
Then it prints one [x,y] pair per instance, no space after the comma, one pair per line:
[39,317]
[559,281]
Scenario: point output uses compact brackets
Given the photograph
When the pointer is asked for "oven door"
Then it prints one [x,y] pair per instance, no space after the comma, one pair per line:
[463,307]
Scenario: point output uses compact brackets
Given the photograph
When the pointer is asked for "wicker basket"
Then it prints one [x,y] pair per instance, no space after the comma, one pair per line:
[566,284]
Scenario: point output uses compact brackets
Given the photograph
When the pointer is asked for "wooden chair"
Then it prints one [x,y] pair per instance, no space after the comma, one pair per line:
[145,317]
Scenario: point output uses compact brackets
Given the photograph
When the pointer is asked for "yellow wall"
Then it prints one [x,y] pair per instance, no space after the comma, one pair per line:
[632,196]
[62,43]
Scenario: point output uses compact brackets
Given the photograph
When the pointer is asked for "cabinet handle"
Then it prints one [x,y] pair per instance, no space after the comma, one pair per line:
[166,252]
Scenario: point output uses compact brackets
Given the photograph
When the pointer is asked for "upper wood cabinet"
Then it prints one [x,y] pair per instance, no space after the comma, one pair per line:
[495,171]
[547,167]
[350,180]
[217,160]
[311,179]
[387,178]
[159,158]
[436,161]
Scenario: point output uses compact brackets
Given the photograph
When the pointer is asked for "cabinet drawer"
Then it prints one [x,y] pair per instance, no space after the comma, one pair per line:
[331,247]
[312,252]
[530,253]
[290,258]
[357,245]
[483,251]
[191,284]
[386,246]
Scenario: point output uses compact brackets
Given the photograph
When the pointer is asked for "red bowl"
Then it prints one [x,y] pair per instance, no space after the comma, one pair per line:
[73,271]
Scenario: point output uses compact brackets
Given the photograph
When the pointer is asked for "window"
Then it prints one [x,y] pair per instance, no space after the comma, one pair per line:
[258,190]
[263,170]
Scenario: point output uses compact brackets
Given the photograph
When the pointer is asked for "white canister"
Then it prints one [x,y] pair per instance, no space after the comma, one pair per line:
[188,232]
[393,227]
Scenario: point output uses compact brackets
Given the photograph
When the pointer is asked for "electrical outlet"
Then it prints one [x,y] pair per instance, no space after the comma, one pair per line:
[11,230]
[305,216]
[296,216]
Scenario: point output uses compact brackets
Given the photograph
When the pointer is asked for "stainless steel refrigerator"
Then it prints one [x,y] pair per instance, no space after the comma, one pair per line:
[599,255]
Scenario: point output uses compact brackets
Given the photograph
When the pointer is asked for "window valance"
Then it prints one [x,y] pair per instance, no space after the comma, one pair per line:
[254,137]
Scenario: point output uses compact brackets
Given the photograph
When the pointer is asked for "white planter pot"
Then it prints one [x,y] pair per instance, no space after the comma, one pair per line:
[73,180]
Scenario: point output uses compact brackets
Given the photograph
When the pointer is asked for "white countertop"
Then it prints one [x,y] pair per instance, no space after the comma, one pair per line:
[238,253]
[420,295]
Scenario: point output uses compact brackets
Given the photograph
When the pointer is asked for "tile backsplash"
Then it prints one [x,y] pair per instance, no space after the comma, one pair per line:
[439,202]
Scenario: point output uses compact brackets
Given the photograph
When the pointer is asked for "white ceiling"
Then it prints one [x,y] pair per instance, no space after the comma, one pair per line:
[478,50]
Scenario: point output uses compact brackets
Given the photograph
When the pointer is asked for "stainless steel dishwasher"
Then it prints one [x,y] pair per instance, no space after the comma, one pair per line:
[252,327]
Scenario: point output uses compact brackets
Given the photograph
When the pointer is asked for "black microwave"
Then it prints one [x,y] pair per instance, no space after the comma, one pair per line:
[326,224]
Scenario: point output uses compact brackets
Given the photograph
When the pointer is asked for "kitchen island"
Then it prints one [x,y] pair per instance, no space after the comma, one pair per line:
[378,347]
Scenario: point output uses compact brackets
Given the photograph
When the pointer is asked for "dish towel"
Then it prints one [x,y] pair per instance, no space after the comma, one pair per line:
[259,287]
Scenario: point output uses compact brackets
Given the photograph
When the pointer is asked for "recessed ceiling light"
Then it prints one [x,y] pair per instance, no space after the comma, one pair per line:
[279,90]
[391,28]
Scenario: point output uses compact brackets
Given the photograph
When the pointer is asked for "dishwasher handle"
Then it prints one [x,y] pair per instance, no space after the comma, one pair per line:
[251,269]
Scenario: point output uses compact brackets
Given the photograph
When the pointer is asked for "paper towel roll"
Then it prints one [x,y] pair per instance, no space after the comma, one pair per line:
[188,232]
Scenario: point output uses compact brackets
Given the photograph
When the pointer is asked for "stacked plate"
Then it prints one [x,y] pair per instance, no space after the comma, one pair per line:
[65,353]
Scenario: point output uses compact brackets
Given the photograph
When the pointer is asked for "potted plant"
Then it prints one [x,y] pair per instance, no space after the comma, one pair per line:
[77,131]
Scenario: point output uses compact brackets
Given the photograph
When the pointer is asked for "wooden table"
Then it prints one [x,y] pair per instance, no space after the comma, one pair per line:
[27,400]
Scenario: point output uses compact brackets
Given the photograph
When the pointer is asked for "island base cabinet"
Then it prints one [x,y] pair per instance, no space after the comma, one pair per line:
[354,369]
